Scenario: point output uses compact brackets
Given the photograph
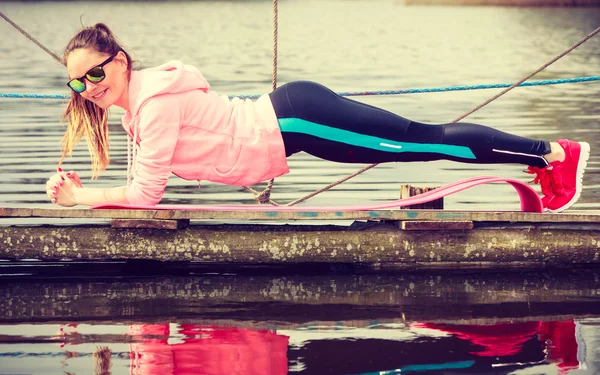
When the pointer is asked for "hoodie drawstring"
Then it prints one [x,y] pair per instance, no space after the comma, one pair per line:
[132,151]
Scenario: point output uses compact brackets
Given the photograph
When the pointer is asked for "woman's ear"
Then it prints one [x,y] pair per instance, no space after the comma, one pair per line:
[122,59]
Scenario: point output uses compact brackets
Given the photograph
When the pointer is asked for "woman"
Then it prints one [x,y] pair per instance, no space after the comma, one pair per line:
[180,126]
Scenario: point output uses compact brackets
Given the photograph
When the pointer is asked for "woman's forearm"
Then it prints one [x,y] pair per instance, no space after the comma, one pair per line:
[95,196]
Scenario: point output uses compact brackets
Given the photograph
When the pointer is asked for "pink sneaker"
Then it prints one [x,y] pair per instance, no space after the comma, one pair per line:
[547,181]
[561,182]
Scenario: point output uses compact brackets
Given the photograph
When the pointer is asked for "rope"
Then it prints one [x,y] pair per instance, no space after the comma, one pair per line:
[590,35]
[470,87]
[485,86]
[265,196]
[26,34]
[331,185]
[275,33]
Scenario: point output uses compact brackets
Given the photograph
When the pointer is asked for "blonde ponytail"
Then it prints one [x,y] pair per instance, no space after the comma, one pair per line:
[87,119]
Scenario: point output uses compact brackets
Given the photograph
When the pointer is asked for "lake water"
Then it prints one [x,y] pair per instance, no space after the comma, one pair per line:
[264,323]
[82,319]
[346,45]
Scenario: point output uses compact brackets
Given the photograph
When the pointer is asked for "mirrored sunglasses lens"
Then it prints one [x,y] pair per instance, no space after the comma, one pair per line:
[95,74]
[77,86]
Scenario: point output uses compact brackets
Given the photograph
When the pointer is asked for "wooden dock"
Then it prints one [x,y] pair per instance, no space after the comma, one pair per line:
[394,239]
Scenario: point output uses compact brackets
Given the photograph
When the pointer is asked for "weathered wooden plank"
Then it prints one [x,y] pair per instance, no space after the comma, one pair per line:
[293,244]
[436,225]
[150,223]
[397,215]
[407,191]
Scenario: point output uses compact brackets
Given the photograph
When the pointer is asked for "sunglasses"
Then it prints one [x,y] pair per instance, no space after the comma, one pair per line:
[94,75]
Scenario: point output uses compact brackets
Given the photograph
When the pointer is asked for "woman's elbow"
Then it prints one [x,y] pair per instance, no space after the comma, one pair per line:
[143,198]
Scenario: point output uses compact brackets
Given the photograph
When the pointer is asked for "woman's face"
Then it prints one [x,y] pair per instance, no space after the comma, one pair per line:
[111,90]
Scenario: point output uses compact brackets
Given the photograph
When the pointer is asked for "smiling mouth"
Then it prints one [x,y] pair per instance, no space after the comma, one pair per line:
[100,95]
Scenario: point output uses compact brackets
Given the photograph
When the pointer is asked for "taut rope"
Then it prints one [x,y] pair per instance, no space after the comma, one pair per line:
[31,38]
[420,90]
[265,195]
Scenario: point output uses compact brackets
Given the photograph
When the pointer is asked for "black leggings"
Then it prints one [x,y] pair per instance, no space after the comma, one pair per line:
[316,120]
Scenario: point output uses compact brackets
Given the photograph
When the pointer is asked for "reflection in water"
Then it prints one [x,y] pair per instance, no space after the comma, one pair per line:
[525,322]
[206,350]
[557,347]
[507,344]
[437,347]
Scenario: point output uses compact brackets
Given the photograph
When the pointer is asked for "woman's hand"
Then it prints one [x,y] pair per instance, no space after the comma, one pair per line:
[61,188]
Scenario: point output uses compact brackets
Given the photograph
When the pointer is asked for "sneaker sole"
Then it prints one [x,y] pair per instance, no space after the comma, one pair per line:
[581,165]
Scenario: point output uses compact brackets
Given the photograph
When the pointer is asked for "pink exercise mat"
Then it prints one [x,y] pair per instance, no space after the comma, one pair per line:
[530,200]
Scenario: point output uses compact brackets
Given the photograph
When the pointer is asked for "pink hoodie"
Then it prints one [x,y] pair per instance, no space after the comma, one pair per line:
[184,128]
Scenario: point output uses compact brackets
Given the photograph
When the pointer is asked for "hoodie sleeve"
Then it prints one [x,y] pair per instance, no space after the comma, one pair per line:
[159,123]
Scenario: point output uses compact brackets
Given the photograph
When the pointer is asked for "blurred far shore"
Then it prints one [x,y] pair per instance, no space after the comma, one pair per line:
[516,3]
[519,3]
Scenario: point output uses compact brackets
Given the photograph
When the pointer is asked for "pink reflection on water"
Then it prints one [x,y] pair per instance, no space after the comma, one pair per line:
[504,340]
[207,350]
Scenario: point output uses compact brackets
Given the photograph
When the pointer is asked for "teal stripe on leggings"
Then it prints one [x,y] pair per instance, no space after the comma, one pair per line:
[296,125]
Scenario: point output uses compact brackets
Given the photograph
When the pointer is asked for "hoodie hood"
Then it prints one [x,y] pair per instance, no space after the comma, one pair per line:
[169,78]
